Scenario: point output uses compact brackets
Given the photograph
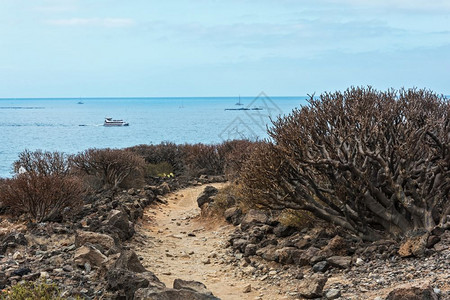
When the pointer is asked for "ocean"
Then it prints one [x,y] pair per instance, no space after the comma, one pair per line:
[67,126]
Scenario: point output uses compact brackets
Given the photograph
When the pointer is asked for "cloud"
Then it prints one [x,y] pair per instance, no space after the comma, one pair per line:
[406,5]
[97,22]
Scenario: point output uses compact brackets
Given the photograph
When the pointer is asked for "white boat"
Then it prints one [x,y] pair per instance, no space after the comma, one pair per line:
[110,122]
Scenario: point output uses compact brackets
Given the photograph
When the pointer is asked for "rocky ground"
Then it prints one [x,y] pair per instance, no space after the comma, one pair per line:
[152,243]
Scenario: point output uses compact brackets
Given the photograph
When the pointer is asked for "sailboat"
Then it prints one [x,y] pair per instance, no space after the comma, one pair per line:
[239,103]
[80,102]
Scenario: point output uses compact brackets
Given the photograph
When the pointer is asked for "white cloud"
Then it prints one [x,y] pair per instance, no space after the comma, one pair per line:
[98,22]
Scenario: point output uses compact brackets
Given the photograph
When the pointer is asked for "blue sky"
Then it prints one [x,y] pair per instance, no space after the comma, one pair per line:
[95,48]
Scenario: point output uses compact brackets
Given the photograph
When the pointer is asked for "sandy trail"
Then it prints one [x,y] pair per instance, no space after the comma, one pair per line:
[176,242]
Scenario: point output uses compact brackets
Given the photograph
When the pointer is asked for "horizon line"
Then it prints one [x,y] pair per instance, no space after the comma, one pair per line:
[139,97]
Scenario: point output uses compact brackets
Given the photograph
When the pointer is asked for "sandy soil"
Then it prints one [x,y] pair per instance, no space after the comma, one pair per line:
[176,242]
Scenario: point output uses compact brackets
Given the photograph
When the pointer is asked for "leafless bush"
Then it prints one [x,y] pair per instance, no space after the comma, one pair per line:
[165,152]
[44,163]
[43,197]
[112,166]
[375,163]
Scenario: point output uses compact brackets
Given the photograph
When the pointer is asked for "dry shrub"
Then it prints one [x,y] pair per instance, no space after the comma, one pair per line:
[375,163]
[201,159]
[234,154]
[297,218]
[164,152]
[112,166]
[42,197]
[44,163]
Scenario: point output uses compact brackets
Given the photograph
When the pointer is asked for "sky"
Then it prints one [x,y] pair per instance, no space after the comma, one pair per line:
[176,48]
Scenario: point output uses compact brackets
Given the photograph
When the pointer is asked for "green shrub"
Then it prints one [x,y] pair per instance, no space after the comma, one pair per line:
[31,291]
[163,169]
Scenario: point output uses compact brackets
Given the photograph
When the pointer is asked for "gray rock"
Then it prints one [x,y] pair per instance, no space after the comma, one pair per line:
[170,294]
[128,260]
[12,240]
[333,294]
[321,266]
[125,283]
[254,217]
[233,215]
[413,293]
[342,262]
[118,223]
[191,285]
[206,195]
[283,231]
[250,249]
[104,240]
[89,253]
[312,287]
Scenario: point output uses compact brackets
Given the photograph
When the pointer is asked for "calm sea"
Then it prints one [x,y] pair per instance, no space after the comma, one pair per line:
[64,125]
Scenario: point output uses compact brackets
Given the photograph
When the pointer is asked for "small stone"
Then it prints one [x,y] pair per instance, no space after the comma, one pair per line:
[206,261]
[44,274]
[333,294]
[247,289]
[17,255]
[359,261]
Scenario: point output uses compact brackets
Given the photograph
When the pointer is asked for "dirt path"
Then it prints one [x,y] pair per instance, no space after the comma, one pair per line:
[175,242]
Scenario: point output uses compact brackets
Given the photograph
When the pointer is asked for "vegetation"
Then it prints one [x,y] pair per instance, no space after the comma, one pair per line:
[192,160]
[42,197]
[375,163]
[29,290]
[43,163]
[112,166]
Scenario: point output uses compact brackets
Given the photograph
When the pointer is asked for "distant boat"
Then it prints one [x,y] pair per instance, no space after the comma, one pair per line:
[80,102]
[239,103]
[109,122]
[245,108]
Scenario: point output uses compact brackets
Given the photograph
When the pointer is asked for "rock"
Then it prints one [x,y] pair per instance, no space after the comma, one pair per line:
[12,240]
[206,195]
[191,285]
[337,246]
[247,288]
[321,266]
[233,215]
[250,249]
[268,253]
[206,261]
[283,231]
[291,255]
[342,262]
[254,217]
[17,255]
[312,287]
[128,260]
[302,244]
[21,272]
[432,240]
[170,294]
[88,253]
[125,283]
[118,223]
[413,293]
[359,262]
[414,246]
[163,188]
[333,294]
[104,240]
